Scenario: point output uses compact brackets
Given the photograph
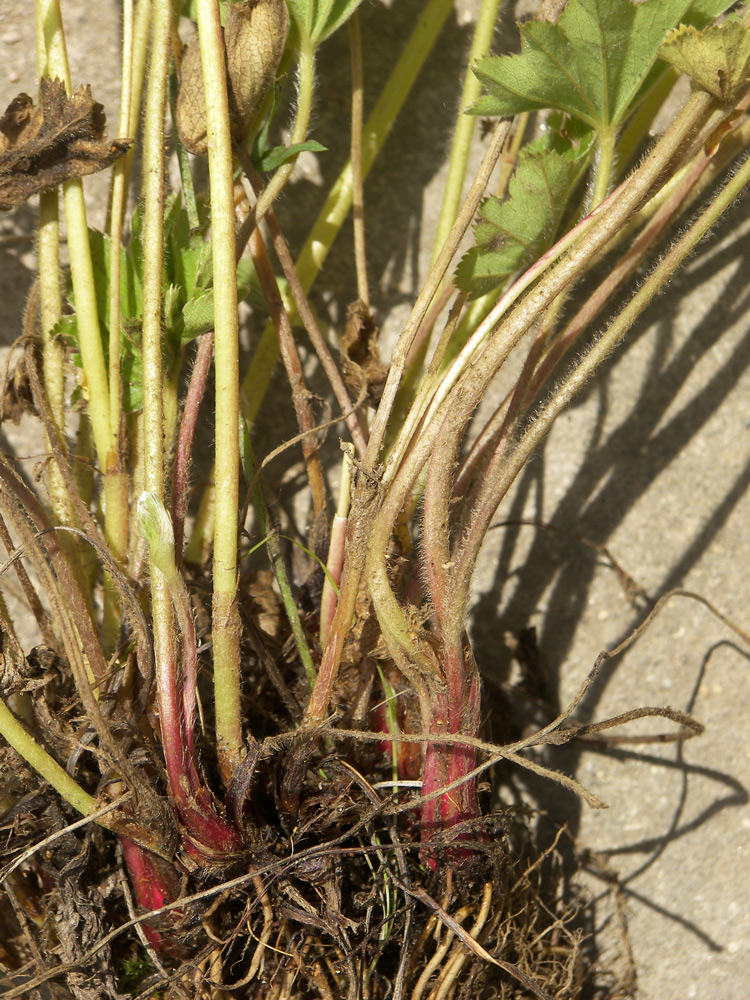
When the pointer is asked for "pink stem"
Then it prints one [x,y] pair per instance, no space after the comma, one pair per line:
[183,453]
[155,884]
[335,564]
[455,712]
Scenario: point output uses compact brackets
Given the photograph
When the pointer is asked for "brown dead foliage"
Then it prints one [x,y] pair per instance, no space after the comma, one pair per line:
[360,358]
[63,137]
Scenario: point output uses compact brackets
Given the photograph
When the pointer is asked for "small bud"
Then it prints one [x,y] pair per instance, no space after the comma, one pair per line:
[155,526]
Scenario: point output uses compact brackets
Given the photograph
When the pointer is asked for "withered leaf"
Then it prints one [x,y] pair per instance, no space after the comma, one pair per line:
[17,398]
[716,59]
[360,359]
[42,146]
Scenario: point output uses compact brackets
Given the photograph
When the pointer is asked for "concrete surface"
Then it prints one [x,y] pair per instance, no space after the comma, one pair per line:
[653,461]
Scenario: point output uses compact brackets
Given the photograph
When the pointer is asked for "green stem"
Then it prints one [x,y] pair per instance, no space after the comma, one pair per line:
[604,167]
[465,124]
[141,39]
[153,415]
[226,628]
[116,481]
[330,220]
[82,272]
[117,207]
[52,39]
[50,298]
[519,453]
[339,201]
[305,92]
[153,250]
[360,254]
[50,306]
[38,758]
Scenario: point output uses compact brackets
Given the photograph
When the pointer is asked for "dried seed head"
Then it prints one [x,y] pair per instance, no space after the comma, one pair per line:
[191,104]
[254,40]
[255,37]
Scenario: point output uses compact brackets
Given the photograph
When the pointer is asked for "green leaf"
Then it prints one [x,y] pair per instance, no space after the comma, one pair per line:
[260,143]
[182,247]
[172,303]
[198,311]
[338,13]
[274,157]
[512,233]
[716,59]
[131,369]
[131,290]
[155,527]
[590,64]
[704,11]
[317,19]
[198,315]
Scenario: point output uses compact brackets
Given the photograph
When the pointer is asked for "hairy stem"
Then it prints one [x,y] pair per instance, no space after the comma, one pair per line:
[458,394]
[465,124]
[429,289]
[290,356]
[186,436]
[358,200]
[226,631]
[38,758]
[519,451]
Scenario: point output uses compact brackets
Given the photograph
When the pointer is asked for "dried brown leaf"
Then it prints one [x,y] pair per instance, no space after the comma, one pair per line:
[42,146]
[360,358]
[17,398]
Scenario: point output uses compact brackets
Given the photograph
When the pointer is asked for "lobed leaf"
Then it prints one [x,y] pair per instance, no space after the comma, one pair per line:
[198,311]
[716,59]
[512,233]
[590,64]
[317,19]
